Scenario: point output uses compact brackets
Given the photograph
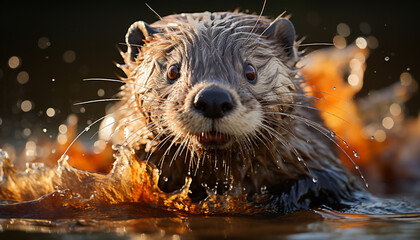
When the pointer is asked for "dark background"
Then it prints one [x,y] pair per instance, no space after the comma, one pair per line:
[93,30]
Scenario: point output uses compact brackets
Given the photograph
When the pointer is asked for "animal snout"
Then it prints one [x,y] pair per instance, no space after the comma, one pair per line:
[213,102]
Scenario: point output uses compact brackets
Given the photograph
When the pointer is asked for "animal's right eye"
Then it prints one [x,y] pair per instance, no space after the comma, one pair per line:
[173,73]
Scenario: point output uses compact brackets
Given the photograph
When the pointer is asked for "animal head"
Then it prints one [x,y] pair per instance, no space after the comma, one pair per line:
[211,80]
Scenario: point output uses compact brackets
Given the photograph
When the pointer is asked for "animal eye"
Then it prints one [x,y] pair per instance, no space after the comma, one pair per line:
[173,73]
[250,73]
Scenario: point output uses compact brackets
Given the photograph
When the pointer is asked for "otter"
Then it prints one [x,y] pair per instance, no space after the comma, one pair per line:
[218,97]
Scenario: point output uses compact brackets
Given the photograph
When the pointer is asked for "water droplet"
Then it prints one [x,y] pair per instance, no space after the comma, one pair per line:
[314,179]
[53,80]
[367,185]
[87,129]
[355,154]
[44,130]
[263,189]
[356,167]
[332,134]
[165,179]
[300,159]
[188,173]
[386,59]
[334,88]
[408,69]
[372,137]
[345,143]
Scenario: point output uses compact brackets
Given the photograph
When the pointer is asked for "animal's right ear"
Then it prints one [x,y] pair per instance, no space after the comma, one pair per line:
[135,37]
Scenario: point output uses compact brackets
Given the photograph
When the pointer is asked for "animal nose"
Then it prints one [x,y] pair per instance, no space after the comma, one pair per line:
[213,102]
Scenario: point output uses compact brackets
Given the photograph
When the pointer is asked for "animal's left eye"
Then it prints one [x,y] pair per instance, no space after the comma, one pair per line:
[173,73]
[250,73]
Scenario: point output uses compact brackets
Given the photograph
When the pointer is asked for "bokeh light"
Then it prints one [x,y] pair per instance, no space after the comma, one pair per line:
[22,77]
[26,106]
[44,43]
[69,56]
[14,62]
[343,29]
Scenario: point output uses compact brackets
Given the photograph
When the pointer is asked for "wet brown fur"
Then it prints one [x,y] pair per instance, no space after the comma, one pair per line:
[275,144]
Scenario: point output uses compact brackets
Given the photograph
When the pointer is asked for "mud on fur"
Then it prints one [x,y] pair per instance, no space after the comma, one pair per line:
[218,97]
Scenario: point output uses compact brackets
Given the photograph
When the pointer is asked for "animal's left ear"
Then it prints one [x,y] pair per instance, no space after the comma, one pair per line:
[284,31]
[135,37]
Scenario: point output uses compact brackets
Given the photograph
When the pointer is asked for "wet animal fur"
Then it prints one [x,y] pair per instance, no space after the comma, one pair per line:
[278,146]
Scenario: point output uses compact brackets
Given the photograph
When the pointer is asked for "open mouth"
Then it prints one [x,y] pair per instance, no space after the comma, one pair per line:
[212,139]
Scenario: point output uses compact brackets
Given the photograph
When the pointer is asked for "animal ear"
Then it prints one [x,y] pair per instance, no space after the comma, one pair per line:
[135,37]
[284,31]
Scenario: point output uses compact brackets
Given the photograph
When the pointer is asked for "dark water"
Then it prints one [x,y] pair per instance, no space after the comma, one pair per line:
[311,224]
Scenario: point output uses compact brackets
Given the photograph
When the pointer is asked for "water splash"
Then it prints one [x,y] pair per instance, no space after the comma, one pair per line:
[70,190]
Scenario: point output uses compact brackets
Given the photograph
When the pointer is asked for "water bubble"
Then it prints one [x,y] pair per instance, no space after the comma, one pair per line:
[87,129]
[386,59]
[356,154]
[314,179]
